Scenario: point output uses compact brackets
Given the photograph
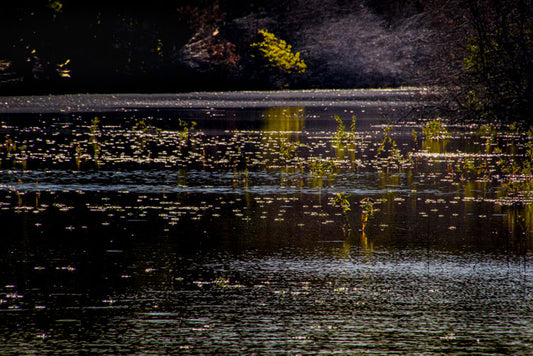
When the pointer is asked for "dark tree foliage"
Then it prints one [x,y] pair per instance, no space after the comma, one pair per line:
[498,56]
[479,50]
[71,45]
[485,49]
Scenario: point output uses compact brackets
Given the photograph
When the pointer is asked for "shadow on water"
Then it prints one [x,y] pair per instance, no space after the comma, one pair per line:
[213,230]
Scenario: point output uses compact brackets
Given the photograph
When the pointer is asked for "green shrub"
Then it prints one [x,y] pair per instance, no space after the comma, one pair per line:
[278,54]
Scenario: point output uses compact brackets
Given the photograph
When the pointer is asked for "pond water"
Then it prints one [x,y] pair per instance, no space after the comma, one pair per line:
[207,224]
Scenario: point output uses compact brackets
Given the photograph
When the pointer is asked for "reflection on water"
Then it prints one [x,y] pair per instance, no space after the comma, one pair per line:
[133,234]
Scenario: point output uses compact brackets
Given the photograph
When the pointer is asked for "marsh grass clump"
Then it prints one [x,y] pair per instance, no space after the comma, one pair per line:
[321,170]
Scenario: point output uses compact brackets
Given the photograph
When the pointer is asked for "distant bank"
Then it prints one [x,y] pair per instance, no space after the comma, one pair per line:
[84,103]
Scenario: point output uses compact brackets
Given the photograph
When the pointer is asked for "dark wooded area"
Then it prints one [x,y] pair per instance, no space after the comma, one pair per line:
[479,50]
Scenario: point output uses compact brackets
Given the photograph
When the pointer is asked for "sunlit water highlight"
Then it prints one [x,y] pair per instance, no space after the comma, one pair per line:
[124,237]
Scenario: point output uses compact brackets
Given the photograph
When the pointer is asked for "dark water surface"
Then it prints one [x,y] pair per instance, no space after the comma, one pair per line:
[143,233]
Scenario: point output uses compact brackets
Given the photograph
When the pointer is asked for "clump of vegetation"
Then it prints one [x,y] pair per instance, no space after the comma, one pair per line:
[278,54]
[320,170]
[288,149]
[341,200]
[435,130]
[185,129]
[341,129]
[519,174]
[388,150]
[9,150]
[341,134]
[435,136]
[367,211]
[495,57]
[93,141]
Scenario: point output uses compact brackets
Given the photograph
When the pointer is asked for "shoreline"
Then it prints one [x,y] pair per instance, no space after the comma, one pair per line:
[86,103]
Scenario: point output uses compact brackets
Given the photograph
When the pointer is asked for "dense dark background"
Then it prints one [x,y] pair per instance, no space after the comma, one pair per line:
[170,46]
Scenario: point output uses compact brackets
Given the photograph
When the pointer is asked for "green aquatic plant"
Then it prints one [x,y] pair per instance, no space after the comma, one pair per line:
[341,134]
[344,141]
[367,210]
[14,153]
[185,129]
[435,130]
[146,137]
[387,143]
[389,152]
[9,145]
[141,130]
[519,173]
[79,152]
[341,200]
[93,141]
[352,126]
[288,149]
[321,170]
[489,133]
[436,136]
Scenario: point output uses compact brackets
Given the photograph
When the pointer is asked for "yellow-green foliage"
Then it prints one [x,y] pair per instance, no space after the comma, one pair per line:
[279,54]
[56,6]
[435,130]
